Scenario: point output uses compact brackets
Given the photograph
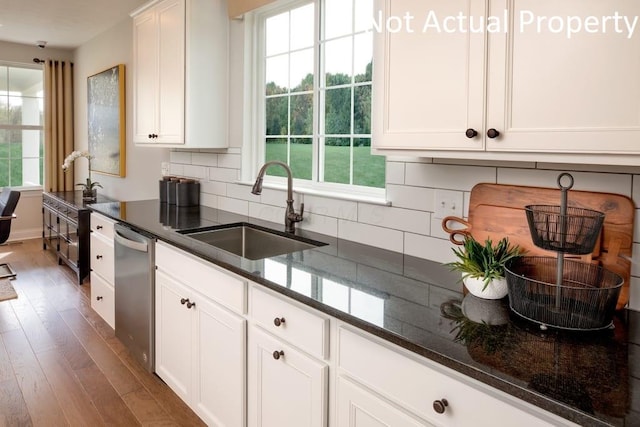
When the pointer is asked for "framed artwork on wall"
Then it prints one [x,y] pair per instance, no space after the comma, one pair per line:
[106,121]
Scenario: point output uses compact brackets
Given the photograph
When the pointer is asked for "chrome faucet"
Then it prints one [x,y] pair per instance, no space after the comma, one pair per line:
[290,216]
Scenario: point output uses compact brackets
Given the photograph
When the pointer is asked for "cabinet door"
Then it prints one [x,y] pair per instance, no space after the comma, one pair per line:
[360,408]
[171,48]
[554,93]
[286,387]
[174,340]
[219,395]
[427,84]
[159,47]
[145,76]
[102,299]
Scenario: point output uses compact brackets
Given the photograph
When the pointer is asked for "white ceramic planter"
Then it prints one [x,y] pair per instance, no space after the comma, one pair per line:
[496,289]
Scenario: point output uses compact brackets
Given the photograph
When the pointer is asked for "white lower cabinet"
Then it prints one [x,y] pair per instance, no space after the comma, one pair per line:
[432,392]
[358,407]
[287,388]
[102,268]
[200,346]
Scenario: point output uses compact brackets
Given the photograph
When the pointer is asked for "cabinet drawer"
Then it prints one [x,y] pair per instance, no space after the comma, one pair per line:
[211,281]
[302,328]
[415,386]
[102,258]
[102,299]
[101,225]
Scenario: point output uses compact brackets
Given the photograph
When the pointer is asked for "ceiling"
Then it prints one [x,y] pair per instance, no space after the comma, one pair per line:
[64,24]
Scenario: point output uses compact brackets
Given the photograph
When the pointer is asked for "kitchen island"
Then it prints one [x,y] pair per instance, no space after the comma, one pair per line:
[587,378]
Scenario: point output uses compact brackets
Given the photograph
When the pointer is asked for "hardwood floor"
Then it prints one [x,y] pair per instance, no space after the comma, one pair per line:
[61,364]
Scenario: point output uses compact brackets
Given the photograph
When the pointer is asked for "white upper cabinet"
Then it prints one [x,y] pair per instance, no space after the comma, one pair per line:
[508,80]
[180,52]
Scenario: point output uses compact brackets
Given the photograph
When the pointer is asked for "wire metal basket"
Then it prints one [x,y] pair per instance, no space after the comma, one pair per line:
[585,300]
[574,232]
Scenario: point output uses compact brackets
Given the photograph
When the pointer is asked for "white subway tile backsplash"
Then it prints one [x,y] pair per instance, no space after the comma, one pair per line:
[467,202]
[183,157]
[395,173]
[437,230]
[380,237]
[418,198]
[273,197]
[210,200]
[589,181]
[199,172]
[319,224]
[204,159]
[590,168]
[432,248]
[242,192]
[213,187]
[342,209]
[635,194]
[491,163]
[447,176]
[224,175]
[635,261]
[240,207]
[232,161]
[176,169]
[634,294]
[636,226]
[395,218]
[267,213]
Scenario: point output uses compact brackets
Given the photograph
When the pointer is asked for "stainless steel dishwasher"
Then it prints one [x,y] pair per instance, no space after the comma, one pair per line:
[135,293]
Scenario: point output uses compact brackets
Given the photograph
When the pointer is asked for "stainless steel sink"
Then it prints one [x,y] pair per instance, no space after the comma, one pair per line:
[251,241]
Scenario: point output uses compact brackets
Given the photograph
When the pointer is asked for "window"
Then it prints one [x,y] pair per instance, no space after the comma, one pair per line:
[314,102]
[21,130]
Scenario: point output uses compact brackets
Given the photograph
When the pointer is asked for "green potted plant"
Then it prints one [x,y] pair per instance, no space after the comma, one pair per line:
[482,266]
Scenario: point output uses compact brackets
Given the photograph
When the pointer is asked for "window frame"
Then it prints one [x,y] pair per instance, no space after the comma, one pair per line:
[39,128]
[254,146]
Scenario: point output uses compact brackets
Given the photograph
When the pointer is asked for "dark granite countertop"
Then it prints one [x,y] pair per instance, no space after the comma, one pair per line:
[587,377]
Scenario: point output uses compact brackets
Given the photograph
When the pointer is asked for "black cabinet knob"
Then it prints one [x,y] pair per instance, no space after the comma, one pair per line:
[150,135]
[440,405]
[98,298]
[471,133]
[492,133]
[98,227]
[98,256]
[278,321]
[183,301]
[190,304]
[278,354]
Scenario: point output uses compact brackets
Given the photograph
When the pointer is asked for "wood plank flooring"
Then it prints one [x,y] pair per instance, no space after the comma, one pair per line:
[61,364]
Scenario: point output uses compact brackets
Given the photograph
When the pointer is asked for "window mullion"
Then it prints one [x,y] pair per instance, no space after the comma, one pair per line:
[318,116]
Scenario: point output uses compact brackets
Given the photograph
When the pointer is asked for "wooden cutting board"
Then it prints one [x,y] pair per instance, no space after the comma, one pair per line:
[496,211]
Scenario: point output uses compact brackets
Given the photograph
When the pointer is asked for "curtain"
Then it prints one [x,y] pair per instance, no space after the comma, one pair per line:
[236,8]
[58,124]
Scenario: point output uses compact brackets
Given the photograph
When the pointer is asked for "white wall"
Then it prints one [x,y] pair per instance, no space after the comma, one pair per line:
[114,46]
[409,225]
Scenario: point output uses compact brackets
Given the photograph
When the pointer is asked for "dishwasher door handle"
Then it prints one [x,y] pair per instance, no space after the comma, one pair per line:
[131,244]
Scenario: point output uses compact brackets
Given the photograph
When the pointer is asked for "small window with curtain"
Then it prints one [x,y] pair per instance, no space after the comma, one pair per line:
[21,126]
[314,60]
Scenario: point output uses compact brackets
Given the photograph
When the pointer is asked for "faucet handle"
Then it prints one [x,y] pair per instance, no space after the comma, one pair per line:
[301,210]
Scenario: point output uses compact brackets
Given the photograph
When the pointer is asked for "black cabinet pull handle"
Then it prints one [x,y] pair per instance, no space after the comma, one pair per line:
[98,227]
[492,133]
[98,298]
[98,256]
[278,321]
[471,133]
[190,304]
[440,405]
[278,354]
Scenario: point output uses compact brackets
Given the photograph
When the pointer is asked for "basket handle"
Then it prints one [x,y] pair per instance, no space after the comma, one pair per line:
[456,235]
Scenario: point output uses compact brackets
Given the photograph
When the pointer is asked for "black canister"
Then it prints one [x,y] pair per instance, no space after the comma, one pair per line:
[171,190]
[187,193]
[162,189]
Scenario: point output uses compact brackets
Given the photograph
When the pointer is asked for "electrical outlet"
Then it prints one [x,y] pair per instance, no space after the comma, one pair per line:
[165,167]
[447,203]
